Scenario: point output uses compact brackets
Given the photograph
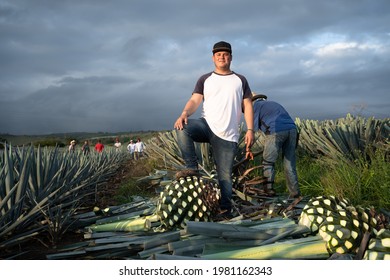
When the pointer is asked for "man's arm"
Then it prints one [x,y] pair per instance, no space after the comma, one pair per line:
[248,115]
[190,108]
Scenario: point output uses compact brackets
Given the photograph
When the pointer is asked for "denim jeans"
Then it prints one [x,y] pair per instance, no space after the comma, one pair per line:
[284,141]
[197,130]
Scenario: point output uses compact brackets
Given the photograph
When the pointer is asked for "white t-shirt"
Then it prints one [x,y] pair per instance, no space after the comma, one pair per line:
[222,102]
[139,147]
[131,147]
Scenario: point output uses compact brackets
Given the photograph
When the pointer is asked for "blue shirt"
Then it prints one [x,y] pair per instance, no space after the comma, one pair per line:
[271,116]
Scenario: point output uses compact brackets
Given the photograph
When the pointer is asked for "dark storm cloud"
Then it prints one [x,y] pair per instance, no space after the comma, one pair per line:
[132,65]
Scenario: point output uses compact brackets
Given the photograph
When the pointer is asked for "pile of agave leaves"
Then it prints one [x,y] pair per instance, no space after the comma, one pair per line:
[133,230]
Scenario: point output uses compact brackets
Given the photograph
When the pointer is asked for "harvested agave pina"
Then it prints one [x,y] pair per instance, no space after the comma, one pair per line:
[188,198]
[341,225]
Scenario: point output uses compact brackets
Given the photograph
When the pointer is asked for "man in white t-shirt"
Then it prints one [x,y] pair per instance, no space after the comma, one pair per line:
[131,149]
[139,149]
[225,96]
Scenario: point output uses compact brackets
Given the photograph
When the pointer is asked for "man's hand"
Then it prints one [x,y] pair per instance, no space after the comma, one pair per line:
[179,124]
[191,106]
[249,140]
[249,154]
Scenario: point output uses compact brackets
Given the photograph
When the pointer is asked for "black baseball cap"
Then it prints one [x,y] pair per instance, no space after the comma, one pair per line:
[222,46]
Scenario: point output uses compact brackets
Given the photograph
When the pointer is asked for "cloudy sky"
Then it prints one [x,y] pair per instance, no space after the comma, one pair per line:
[129,65]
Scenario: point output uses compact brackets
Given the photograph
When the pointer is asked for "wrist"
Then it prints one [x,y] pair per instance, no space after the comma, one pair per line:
[250,129]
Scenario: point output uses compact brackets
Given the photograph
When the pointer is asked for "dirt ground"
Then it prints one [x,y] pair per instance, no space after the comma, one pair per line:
[107,191]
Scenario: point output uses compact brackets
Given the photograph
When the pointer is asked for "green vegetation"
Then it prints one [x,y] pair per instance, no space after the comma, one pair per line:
[128,189]
[347,158]
[364,181]
[63,139]
[41,187]
[134,185]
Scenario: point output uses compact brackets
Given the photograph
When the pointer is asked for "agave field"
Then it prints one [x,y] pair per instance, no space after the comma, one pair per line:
[43,190]
[40,189]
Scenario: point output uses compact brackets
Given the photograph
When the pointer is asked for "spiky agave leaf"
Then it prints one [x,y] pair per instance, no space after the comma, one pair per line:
[344,138]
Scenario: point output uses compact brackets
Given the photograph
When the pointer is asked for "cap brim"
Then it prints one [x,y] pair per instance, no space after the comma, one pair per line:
[222,50]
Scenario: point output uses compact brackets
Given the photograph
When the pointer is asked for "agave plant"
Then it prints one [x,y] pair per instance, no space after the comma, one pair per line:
[343,139]
[40,188]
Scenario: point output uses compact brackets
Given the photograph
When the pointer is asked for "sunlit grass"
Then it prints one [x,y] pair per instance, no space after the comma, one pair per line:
[131,188]
[365,181]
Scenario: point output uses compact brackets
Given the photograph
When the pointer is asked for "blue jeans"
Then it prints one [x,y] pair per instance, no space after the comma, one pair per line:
[197,130]
[284,141]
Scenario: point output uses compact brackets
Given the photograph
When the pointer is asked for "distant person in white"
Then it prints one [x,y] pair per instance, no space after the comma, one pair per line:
[117,145]
[131,149]
[139,149]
